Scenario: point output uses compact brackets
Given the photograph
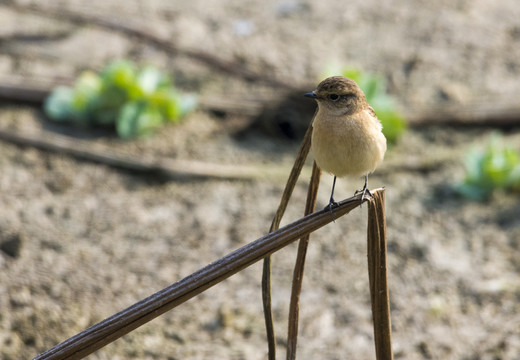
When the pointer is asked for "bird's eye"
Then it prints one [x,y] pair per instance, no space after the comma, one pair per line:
[334,97]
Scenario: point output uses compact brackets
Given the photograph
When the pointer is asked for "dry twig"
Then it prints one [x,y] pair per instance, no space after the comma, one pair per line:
[377,272]
[266,272]
[294,306]
[166,168]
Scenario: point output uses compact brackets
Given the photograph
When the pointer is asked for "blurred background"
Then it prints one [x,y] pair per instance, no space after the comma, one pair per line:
[140,141]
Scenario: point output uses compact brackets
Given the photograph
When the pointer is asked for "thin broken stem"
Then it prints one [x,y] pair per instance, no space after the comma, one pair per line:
[179,169]
[377,273]
[266,271]
[294,307]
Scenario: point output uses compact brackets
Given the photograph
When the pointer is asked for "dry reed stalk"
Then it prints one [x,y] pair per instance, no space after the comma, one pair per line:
[178,169]
[299,266]
[117,325]
[377,273]
[266,271]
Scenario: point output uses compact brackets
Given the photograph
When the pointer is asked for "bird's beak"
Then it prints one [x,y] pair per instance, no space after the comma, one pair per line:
[311,94]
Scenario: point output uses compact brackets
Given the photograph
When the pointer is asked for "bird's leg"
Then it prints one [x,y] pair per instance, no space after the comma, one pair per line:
[332,203]
[364,191]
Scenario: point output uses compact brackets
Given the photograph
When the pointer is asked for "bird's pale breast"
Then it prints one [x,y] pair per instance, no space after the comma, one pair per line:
[348,145]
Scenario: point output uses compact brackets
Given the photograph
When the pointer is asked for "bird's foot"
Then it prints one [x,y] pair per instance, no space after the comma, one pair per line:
[329,207]
[364,192]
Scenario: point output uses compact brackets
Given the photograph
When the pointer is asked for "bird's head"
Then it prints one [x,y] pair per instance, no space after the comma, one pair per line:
[339,95]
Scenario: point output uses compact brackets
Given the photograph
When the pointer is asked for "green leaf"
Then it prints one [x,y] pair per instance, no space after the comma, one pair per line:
[118,86]
[494,167]
[121,76]
[172,105]
[373,86]
[120,73]
[353,73]
[473,164]
[86,92]
[150,80]
[105,108]
[138,118]
[171,108]
[166,101]
[393,124]
[87,88]
[58,105]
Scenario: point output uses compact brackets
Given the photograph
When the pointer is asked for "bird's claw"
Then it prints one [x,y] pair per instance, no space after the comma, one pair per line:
[329,207]
[365,191]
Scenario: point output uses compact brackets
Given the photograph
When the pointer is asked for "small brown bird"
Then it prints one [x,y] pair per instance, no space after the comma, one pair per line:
[346,134]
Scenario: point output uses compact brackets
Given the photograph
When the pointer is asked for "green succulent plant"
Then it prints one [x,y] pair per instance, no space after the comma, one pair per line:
[134,101]
[494,167]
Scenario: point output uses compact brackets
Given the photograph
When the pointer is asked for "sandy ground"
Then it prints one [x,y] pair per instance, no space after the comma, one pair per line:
[81,241]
